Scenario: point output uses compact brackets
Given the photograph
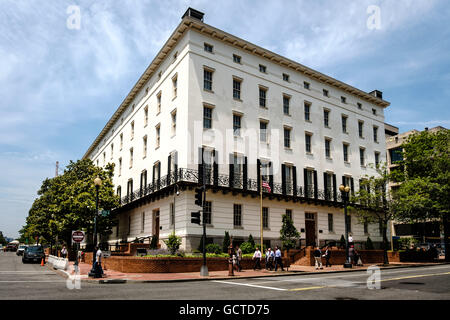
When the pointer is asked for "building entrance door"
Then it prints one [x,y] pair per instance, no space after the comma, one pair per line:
[310,229]
[155,231]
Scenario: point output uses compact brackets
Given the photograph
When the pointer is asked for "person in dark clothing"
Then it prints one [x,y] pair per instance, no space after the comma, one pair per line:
[318,258]
[278,259]
[327,256]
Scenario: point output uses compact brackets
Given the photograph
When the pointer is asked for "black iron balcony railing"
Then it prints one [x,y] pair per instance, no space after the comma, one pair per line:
[183,175]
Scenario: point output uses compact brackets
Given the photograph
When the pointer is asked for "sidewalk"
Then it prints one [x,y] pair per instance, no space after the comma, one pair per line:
[111,276]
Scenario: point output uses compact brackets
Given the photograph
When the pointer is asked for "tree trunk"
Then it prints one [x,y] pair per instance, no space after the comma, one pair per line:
[446,236]
[385,255]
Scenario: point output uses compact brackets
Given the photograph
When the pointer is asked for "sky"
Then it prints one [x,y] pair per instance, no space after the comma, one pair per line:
[62,78]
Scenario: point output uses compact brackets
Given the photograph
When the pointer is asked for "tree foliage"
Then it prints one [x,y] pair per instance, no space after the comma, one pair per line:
[173,243]
[288,233]
[68,201]
[226,242]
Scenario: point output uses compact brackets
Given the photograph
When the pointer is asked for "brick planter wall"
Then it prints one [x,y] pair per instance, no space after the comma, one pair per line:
[168,265]
[338,257]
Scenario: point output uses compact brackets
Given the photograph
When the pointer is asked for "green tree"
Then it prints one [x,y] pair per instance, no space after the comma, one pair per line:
[373,202]
[2,239]
[251,241]
[226,242]
[288,233]
[67,202]
[369,244]
[424,192]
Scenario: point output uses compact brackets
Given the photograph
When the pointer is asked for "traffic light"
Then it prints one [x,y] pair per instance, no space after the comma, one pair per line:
[195,217]
[198,196]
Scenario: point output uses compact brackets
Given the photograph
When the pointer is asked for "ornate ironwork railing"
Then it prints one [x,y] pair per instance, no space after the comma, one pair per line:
[223,180]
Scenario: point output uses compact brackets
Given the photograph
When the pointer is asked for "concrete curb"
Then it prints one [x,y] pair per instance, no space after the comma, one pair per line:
[287,273]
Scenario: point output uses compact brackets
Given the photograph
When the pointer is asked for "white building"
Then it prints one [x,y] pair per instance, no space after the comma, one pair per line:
[209,90]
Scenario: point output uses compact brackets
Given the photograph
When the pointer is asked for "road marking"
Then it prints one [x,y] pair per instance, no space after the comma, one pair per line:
[308,288]
[416,276]
[4,281]
[250,285]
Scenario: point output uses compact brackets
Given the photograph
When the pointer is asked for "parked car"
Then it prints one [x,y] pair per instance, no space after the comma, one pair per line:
[33,254]
[11,247]
[20,250]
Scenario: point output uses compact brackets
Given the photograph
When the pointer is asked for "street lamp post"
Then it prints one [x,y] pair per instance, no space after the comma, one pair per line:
[97,183]
[344,191]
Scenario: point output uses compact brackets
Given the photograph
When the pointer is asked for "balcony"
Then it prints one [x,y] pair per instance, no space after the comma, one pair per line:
[237,184]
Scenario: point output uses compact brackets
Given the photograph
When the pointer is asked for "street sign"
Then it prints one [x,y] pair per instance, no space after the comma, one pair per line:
[78,236]
[105,213]
[106,254]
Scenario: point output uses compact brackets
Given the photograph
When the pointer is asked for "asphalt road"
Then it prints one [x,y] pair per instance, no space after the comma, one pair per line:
[31,281]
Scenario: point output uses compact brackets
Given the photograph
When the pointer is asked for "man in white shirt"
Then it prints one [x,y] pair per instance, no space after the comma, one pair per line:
[257,258]
[278,259]
[98,263]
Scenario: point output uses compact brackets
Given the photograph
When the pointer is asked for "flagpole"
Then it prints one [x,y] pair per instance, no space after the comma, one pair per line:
[261,211]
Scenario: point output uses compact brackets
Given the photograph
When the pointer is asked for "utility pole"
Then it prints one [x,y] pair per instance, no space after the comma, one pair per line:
[204,268]
[56,169]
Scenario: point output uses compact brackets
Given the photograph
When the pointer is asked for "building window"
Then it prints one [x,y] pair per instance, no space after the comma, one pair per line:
[262,97]
[285,77]
[237,215]
[308,142]
[289,213]
[172,214]
[326,118]
[288,179]
[330,223]
[236,89]
[361,156]
[345,148]
[396,155]
[145,116]
[119,191]
[377,159]
[112,150]
[144,148]
[104,158]
[375,133]
[310,182]
[329,188]
[343,99]
[174,122]
[121,141]
[131,158]
[306,85]
[237,125]
[207,118]
[360,128]
[262,68]
[328,148]
[142,222]
[120,167]
[307,111]
[132,130]
[158,135]
[158,103]
[207,212]
[263,131]
[175,86]
[286,101]
[359,105]
[207,79]
[287,137]
[325,93]
[208,47]
[97,163]
[374,112]
[344,124]
[265,217]
[236,58]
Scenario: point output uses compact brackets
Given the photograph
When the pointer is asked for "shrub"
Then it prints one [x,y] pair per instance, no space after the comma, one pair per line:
[246,247]
[213,248]
[173,243]
[369,244]
[226,242]
[251,241]
[342,241]
[154,243]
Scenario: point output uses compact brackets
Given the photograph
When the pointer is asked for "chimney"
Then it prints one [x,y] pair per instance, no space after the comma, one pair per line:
[194,14]
[377,94]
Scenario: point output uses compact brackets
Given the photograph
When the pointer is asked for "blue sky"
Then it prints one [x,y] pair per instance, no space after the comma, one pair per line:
[59,86]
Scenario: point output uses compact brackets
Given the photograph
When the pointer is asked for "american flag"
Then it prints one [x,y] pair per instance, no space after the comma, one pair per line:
[266,185]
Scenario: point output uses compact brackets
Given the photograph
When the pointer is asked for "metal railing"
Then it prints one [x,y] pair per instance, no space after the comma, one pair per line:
[183,175]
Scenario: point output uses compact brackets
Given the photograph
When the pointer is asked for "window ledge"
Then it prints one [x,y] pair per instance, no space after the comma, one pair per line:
[327,127]
[309,154]
[174,98]
[238,227]
[328,158]
[288,149]
[308,121]
[207,90]
[263,107]
[237,99]
[266,229]
[157,148]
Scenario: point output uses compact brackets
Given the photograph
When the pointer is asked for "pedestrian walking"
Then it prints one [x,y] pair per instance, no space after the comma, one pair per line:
[238,258]
[269,259]
[351,254]
[257,258]
[318,258]
[98,263]
[350,239]
[327,256]
[358,261]
[278,259]
[64,252]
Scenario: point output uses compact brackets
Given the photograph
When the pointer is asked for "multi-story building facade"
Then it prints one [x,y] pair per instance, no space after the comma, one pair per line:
[212,101]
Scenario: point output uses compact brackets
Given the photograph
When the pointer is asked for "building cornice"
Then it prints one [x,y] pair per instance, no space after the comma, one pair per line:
[197,25]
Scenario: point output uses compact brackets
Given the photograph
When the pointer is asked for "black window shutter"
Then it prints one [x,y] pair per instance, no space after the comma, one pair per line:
[316,191]
[245,174]
[305,182]
[334,188]
[283,179]
[159,174]
[271,176]
[176,166]
[200,166]
[352,186]
[142,181]
[294,181]
[231,171]
[325,186]
[169,163]
[343,181]
[216,168]
[258,172]
[154,174]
